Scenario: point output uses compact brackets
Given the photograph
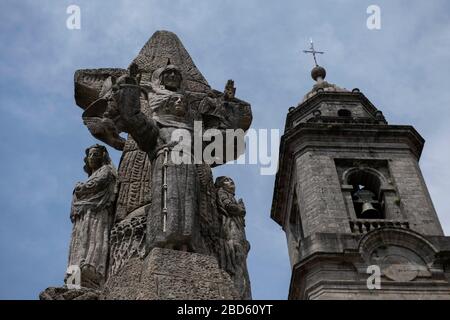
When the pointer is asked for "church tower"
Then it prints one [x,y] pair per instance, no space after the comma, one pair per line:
[351,198]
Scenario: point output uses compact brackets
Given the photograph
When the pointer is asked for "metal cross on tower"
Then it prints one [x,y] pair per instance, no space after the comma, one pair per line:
[313,51]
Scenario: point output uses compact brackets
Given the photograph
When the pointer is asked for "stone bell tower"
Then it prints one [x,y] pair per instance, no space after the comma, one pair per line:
[349,194]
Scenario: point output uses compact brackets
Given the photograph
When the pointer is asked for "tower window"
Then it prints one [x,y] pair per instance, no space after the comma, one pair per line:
[344,113]
[295,221]
[366,195]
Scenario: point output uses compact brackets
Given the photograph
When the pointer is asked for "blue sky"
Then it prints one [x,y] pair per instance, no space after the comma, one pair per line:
[401,68]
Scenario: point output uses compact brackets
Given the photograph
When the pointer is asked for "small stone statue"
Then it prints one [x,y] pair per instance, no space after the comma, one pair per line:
[213,108]
[92,215]
[236,246]
[230,90]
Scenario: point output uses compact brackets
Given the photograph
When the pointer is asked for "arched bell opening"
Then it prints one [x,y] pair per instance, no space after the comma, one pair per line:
[366,194]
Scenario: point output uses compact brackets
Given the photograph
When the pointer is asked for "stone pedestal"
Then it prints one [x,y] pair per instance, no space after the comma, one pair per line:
[63,293]
[169,274]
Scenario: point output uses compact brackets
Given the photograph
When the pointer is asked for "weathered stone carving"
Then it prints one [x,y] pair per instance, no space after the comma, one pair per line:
[127,240]
[173,220]
[222,110]
[399,263]
[92,215]
[93,92]
[135,181]
[63,293]
[166,274]
[161,202]
[235,244]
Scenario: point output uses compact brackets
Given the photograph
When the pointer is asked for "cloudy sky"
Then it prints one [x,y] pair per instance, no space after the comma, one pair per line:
[402,68]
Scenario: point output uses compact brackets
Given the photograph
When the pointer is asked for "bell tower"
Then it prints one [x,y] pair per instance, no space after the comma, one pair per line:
[351,198]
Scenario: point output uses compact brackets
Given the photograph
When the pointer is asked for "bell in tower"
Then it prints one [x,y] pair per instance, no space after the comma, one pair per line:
[365,199]
[350,196]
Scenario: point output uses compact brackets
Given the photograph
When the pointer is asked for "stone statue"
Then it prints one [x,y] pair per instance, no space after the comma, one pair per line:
[172,220]
[164,207]
[219,109]
[92,217]
[236,246]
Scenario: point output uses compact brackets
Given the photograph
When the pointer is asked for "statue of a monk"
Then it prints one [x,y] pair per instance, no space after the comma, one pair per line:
[92,215]
[172,219]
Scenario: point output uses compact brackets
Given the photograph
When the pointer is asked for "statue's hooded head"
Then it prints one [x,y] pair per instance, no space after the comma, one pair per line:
[226,183]
[96,157]
[169,77]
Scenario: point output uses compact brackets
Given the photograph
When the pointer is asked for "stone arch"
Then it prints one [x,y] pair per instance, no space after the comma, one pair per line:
[391,236]
[367,192]
[366,175]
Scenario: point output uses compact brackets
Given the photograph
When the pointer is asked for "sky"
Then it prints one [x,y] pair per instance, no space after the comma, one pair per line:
[402,68]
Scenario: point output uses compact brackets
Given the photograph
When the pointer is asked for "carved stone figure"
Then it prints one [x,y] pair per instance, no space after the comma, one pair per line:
[224,111]
[101,116]
[172,220]
[163,205]
[236,246]
[92,217]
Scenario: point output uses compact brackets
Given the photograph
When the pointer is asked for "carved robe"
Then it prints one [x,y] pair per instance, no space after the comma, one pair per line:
[235,244]
[92,214]
[172,217]
[180,226]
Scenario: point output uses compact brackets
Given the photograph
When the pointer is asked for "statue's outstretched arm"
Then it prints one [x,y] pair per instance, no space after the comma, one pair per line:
[143,129]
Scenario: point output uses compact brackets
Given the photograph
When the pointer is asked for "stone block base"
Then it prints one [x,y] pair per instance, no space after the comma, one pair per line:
[63,293]
[170,275]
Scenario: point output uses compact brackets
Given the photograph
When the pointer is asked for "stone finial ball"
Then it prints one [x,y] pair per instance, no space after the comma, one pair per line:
[317,72]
